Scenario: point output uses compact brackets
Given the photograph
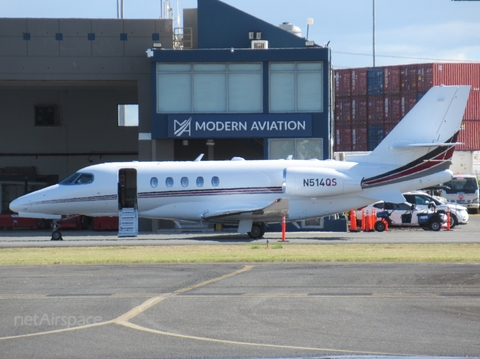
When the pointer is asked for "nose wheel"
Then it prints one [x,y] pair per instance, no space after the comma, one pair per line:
[56,234]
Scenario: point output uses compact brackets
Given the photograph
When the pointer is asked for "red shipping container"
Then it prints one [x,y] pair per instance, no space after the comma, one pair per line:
[408,79]
[359,110]
[391,75]
[359,138]
[343,82]
[105,223]
[393,109]
[424,77]
[359,81]
[407,103]
[389,127]
[469,136]
[343,138]
[346,111]
[457,74]
[472,111]
[376,110]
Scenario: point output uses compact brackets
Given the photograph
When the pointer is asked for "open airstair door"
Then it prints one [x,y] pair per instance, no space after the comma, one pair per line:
[127,203]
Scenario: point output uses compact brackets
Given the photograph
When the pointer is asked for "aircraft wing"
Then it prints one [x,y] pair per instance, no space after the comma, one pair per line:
[262,210]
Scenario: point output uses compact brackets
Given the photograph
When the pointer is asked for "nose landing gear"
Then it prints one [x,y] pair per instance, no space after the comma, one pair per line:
[56,234]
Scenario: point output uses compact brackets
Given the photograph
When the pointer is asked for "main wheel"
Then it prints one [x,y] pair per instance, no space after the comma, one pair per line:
[435,225]
[257,231]
[57,236]
[379,226]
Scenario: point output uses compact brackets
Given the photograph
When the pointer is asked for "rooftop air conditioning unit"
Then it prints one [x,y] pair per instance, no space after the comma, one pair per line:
[259,44]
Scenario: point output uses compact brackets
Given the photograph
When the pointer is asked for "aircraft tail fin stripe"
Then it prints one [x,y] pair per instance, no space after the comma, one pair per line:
[436,160]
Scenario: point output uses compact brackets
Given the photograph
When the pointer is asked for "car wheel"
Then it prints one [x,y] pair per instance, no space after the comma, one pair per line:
[453,220]
[435,225]
[379,226]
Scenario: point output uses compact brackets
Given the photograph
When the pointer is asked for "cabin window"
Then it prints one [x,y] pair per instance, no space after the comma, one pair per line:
[215,181]
[199,181]
[169,182]
[184,181]
[154,182]
[78,178]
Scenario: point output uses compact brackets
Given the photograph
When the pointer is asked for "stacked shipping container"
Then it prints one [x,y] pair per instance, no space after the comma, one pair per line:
[369,102]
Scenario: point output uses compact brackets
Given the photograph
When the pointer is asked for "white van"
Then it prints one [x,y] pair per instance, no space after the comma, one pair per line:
[462,189]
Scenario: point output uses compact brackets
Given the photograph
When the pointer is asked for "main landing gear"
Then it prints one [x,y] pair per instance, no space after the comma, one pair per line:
[56,234]
[257,231]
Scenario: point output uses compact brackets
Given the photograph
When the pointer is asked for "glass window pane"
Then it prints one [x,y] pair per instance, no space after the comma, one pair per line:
[309,91]
[309,149]
[209,68]
[245,67]
[154,182]
[209,93]
[127,115]
[215,181]
[281,149]
[199,181]
[245,92]
[173,67]
[309,66]
[282,66]
[174,93]
[282,92]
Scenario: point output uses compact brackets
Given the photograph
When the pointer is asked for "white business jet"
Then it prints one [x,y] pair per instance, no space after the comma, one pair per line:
[416,154]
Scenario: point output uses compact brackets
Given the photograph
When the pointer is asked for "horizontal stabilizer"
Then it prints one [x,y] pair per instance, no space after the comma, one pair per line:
[257,211]
[436,144]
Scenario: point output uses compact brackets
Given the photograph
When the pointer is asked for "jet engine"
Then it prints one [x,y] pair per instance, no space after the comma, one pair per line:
[316,182]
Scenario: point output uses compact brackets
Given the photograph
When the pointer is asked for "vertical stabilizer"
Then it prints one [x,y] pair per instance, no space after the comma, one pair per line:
[432,123]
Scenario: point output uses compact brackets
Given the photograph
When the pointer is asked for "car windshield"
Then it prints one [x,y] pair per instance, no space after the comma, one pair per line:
[78,178]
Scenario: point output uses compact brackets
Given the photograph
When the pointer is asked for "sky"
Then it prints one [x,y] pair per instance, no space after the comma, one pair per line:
[406,31]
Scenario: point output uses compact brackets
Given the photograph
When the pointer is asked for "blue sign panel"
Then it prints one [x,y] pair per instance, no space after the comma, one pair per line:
[239,126]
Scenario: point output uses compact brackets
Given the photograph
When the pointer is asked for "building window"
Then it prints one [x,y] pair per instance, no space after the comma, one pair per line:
[46,115]
[127,115]
[209,88]
[299,148]
[296,87]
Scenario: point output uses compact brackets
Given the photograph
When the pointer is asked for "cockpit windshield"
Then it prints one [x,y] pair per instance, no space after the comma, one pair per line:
[78,178]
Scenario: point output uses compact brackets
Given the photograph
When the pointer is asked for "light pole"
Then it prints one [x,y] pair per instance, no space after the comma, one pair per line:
[373,33]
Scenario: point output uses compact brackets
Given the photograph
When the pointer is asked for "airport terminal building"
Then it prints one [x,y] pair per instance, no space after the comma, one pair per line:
[226,84]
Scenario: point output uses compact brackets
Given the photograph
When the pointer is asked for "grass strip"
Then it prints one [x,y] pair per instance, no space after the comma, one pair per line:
[243,253]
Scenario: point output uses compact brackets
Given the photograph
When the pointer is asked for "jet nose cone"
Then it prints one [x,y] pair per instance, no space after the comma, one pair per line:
[17,205]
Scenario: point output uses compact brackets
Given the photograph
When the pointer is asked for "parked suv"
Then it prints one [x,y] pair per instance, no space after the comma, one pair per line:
[458,214]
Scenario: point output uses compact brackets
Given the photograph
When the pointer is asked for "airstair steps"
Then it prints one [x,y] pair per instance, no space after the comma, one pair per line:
[128,222]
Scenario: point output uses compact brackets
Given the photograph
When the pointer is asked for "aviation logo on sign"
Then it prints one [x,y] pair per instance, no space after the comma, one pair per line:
[180,128]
